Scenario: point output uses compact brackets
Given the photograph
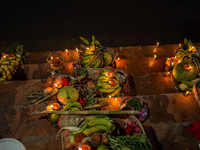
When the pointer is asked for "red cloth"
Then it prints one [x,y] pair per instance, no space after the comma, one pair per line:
[195,129]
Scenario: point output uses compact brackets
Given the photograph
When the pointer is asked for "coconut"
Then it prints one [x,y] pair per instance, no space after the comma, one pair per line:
[180,74]
[67,94]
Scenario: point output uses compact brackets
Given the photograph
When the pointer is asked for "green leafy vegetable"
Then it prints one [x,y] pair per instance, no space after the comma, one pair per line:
[85,40]
[134,103]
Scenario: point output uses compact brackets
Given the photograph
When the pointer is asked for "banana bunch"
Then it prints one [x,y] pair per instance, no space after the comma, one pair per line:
[180,53]
[95,56]
[73,106]
[109,83]
[8,66]
[94,126]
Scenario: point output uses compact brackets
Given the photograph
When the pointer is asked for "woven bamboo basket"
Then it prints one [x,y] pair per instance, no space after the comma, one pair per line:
[77,120]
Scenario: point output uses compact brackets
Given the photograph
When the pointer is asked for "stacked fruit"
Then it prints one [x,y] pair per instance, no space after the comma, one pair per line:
[8,66]
[109,83]
[95,56]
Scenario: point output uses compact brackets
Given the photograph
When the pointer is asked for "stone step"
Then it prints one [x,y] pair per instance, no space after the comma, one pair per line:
[41,142]
[170,108]
[152,83]
[175,136]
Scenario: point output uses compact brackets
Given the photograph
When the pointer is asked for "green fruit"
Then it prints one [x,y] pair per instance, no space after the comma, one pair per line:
[180,74]
[54,118]
[67,94]
[107,59]
[102,147]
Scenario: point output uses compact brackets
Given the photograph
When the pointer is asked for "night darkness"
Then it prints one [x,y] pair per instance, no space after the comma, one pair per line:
[143,22]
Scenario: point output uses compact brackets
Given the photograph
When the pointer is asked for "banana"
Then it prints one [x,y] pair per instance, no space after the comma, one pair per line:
[94,129]
[116,77]
[72,104]
[9,77]
[101,65]
[106,70]
[5,68]
[115,92]
[2,79]
[102,121]
[108,74]
[88,53]
[91,60]
[110,87]
[81,129]
[103,78]
[86,57]
[97,64]
[101,84]
[106,90]
[5,63]
[74,109]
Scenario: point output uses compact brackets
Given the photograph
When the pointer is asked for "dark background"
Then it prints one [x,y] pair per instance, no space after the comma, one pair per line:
[114,23]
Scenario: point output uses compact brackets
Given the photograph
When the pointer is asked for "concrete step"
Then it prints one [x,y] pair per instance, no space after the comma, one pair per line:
[175,136]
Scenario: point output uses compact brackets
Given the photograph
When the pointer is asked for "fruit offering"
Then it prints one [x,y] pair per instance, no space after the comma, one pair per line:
[96,56]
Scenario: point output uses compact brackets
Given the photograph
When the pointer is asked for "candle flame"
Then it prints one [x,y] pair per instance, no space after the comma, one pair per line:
[66,50]
[118,58]
[172,63]
[77,49]
[51,57]
[52,106]
[154,56]
[157,44]
[110,96]
[79,148]
[175,56]
[167,58]
[190,67]
[109,81]
[179,61]
[87,48]
[56,85]
[192,47]
[179,45]
[115,98]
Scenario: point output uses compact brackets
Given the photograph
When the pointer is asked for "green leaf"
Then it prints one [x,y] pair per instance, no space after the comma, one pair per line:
[97,43]
[185,41]
[84,40]
[93,38]
[92,43]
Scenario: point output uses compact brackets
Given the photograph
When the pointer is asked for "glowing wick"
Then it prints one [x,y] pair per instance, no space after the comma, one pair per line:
[187,93]
[118,58]
[77,49]
[155,57]
[167,74]
[67,51]
[157,44]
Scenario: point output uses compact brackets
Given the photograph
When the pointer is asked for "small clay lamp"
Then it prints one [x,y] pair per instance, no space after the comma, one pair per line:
[112,82]
[187,67]
[49,108]
[110,74]
[55,106]
[84,147]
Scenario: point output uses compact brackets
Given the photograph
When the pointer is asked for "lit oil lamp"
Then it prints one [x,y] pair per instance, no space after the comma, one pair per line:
[49,108]
[110,74]
[67,51]
[112,82]
[158,44]
[187,67]
[155,57]
[187,93]
[84,147]
[167,74]
[55,106]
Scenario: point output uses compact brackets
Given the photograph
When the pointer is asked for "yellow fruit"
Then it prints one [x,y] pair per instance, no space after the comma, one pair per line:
[107,59]
[54,118]
[102,147]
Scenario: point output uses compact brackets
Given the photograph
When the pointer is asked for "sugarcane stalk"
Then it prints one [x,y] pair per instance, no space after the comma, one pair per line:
[35,100]
[62,112]
[77,79]
[47,97]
